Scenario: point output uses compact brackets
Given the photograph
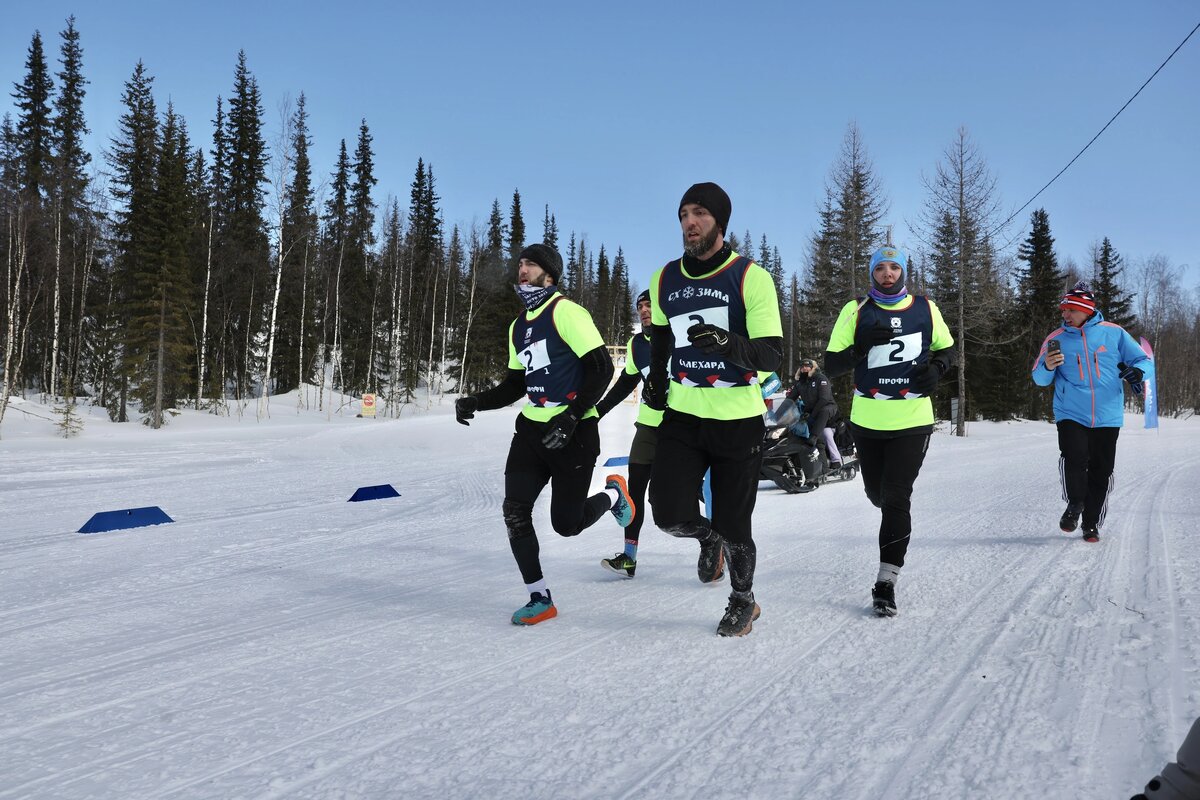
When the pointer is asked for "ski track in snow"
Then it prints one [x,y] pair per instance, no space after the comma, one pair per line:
[278,642]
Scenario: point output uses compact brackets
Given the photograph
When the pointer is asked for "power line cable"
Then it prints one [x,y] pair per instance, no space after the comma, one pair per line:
[1097,136]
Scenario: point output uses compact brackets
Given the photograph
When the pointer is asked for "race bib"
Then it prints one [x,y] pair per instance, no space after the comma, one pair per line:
[536,356]
[900,350]
[717,315]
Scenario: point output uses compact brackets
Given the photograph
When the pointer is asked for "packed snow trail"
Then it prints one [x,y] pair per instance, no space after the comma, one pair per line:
[279,642]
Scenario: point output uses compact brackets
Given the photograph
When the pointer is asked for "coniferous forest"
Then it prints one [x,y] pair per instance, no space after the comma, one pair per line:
[196,263]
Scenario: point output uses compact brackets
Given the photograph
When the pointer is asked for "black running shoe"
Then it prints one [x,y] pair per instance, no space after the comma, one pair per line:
[739,615]
[620,564]
[883,599]
[1070,518]
[711,565]
[1090,533]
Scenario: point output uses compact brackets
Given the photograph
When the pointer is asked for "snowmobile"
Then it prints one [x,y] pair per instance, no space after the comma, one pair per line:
[794,464]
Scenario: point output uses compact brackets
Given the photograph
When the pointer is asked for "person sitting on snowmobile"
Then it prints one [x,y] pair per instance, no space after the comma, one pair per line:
[812,390]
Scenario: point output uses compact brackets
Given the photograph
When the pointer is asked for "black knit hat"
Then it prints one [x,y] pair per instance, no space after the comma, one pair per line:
[545,257]
[713,198]
[645,295]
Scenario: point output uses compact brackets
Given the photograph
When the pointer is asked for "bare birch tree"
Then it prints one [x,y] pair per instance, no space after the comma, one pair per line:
[202,350]
[282,161]
[16,325]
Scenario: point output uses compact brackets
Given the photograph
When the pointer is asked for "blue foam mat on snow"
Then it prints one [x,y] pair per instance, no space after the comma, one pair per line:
[125,518]
[373,493]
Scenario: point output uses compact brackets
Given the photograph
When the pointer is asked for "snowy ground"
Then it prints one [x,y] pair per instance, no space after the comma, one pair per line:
[277,641]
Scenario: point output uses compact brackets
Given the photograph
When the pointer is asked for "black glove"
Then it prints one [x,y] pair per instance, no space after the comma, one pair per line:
[1133,376]
[465,408]
[654,391]
[866,338]
[559,430]
[924,377]
[709,338]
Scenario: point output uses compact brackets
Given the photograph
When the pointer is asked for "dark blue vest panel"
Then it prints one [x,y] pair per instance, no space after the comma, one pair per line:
[641,354]
[884,374]
[552,370]
[716,300]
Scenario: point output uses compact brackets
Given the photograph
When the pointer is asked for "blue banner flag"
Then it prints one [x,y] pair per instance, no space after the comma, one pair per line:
[1151,390]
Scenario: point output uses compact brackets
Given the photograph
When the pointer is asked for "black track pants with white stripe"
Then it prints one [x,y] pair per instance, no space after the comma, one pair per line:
[1085,465]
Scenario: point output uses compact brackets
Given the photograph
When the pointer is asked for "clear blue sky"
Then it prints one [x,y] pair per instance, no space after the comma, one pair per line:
[609,111]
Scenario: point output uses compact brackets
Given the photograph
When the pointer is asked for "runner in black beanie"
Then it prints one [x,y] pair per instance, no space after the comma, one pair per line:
[713,198]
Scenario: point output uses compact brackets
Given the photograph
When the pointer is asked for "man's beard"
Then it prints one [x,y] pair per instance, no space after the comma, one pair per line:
[702,245]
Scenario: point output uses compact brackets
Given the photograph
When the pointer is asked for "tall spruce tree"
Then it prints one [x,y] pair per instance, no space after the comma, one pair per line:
[158,336]
[34,130]
[133,160]
[335,224]
[75,230]
[602,304]
[768,259]
[426,259]
[498,306]
[622,300]
[70,159]
[296,336]
[549,228]
[570,281]
[1111,297]
[858,210]
[1040,288]
[516,230]
[358,295]
[825,289]
[34,139]
[244,251]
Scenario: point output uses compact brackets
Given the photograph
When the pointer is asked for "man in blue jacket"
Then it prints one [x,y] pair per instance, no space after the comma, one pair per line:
[1087,360]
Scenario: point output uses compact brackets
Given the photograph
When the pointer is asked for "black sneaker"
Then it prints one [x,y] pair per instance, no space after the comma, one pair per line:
[1070,517]
[711,565]
[883,599]
[620,564]
[739,615]
[1090,532]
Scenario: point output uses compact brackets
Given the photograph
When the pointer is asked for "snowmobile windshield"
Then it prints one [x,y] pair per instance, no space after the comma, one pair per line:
[786,413]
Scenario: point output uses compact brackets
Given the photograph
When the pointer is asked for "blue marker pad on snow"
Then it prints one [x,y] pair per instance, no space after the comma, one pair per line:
[373,493]
[125,518]
[617,461]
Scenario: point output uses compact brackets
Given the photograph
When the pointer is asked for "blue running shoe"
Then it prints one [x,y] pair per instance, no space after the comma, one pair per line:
[623,509]
[539,609]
